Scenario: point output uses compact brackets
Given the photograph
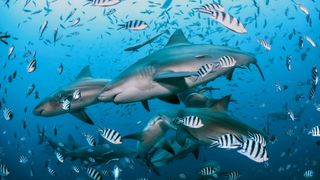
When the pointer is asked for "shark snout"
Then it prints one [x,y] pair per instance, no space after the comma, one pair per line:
[38,110]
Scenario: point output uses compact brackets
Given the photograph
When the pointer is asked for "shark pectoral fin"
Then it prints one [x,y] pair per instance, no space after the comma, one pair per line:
[171,99]
[84,73]
[137,136]
[222,104]
[82,115]
[170,74]
[196,153]
[166,146]
[145,104]
[229,75]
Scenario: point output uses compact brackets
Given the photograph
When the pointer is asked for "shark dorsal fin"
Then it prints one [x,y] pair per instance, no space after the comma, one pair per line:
[84,73]
[177,38]
[222,104]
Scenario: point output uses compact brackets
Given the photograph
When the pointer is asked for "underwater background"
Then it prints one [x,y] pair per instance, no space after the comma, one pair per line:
[96,41]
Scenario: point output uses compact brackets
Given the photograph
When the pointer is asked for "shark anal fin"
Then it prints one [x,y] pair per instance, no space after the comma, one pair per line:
[171,99]
[137,136]
[145,104]
[82,115]
[170,74]
[222,104]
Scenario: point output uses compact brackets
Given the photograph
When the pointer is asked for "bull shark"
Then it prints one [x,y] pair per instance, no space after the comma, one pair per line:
[171,70]
[102,153]
[216,122]
[89,88]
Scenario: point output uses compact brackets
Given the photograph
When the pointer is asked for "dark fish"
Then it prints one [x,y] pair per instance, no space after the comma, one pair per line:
[136,47]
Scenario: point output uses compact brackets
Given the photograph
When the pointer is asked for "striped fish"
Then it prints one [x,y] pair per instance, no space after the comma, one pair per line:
[94,174]
[90,139]
[103,3]
[23,159]
[32,66]
[264,43]
[66,105]
[226,62]
[312,91]
[226,141]
[51,171]
[258,138]
[302,8]
[59,156]
[11,49]
[110,135]
[191,121]
[208,171]
[4,171]
[76,94]
[75,169]
[210,8]
[288,62]
[133,25]
[7,114]
[300,42]
[234,175]
[313,44]
[315,77]
[254,151]
[228,21]
[204,70]
[308,174]
[315,131]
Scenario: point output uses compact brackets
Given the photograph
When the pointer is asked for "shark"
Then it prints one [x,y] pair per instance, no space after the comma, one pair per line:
[171,70]
[216,120]
[89,88]
[102,153]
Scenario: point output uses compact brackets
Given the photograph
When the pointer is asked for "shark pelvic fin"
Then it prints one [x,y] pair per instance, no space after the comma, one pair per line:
[82,115]
[173,99]
[84,73]
[196,152]
[145,104]
[181,136]
[170,74]
[222,104]
[166,146]
[72,143]
[137,136]
[177,38]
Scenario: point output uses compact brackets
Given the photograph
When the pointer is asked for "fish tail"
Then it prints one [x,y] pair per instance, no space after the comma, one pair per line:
[121,26]
[194,78]
[214,142]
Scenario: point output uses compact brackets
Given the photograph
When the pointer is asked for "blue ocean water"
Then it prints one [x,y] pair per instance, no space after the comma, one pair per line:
[97,42]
